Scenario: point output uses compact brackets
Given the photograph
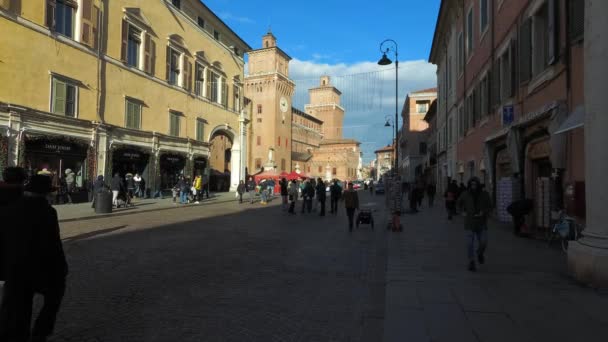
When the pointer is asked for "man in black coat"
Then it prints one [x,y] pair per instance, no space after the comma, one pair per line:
[321,195]
[37,264]
[335,191]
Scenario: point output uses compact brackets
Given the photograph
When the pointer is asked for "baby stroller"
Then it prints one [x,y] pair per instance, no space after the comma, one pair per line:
[365,216]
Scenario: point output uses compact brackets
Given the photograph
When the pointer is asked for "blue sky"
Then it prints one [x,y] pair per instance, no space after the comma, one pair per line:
[342,38]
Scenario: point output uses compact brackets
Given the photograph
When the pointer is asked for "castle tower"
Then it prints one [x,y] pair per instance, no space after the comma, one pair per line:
[325,105]
[271,90]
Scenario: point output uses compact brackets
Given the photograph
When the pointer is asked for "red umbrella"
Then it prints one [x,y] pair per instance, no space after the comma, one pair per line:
[294,176]
[284,175]
[266,175]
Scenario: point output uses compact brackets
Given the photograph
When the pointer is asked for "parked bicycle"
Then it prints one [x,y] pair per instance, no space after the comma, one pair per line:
[565,230]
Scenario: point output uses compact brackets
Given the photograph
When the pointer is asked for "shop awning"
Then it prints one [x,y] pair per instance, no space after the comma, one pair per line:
[575,120]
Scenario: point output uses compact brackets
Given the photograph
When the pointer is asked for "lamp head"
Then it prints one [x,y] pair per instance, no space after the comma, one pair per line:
[385,60]
[387,124]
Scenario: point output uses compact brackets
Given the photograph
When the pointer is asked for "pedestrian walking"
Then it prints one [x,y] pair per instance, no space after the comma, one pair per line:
[313,199]
[70,183]
[371,187]
[476,205]
[419,193]
[351,203]
[308,194]
[321,195]
[130,182]
[240,190]
[451,195]
[182,185]
[116,185]
[197,187]
[36,264]
[263,192]
[431,190]
[284,186]
[293,196]
[205,186]
[335,192]
[413,198]
[250,187]
[138,190]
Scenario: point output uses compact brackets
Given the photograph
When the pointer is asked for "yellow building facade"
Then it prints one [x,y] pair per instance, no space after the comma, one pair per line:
[151,87]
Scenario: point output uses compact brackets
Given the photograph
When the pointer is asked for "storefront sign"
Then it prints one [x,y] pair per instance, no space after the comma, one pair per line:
[58,148]
[508,115]
[131,155]
[173,159]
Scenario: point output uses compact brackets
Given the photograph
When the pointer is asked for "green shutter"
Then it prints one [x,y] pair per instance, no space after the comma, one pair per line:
[59,92]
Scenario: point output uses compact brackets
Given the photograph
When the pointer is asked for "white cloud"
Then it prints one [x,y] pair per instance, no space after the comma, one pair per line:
[368,93]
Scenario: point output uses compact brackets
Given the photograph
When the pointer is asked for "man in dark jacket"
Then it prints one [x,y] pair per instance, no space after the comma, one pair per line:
[321,195]
[284,193]
[476,205]
[116,186]
[240,190]
[38,265]
[308,193]
[98,186]
[335,191]
[251,189]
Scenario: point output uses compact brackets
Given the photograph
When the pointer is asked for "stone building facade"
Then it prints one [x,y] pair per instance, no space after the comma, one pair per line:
[271,91]
[413,138]
[385,160]
[305,140]
[121,86]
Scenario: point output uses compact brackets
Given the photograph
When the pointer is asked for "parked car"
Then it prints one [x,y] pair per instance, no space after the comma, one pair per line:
[379,188]
[357,185]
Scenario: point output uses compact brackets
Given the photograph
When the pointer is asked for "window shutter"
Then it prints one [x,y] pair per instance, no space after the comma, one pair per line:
[224,92]
[125,38]
[553,32]
[494,94]
[525,51]
[94,30]
[59,92]
[208,82]
[148,54]
[577,19]
[513,69]
[187,74]
[87,22]
[168,67]
[50,14]
[152,57]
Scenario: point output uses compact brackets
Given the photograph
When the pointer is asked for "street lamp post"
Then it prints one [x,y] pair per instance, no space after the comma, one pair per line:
[391,123]
[386,61]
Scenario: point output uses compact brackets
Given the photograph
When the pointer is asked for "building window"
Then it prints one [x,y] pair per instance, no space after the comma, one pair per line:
[286,142]
[483,15]
[460,53]
[484,97]
[540,40]
[334,171]
[469,42]
[283,164]
[236,103]
[259,109]
[320,169]
[215,87]
[64,17]
[174,123]
[461,121]
[64,97]
[173,64]
[199,80]
[216,34]
[133,46]
[133,114]
[200,130]
[201,22]
[422,107]
[176,3]
[259,141]
[258,163]
[259,120]
[279,141]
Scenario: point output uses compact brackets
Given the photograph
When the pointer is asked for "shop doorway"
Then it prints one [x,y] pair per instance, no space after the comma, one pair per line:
[171,168]
[220,163]
[129,160]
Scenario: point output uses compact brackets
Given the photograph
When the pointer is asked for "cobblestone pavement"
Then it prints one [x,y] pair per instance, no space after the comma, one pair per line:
[522,293]
[223,272]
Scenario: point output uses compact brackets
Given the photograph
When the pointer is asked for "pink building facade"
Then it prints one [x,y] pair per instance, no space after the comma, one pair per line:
[510,94]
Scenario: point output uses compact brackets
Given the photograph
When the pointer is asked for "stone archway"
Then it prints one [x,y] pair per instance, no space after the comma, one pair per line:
[225,159]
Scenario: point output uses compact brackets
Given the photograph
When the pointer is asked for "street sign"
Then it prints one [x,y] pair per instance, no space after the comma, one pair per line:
[507,115]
